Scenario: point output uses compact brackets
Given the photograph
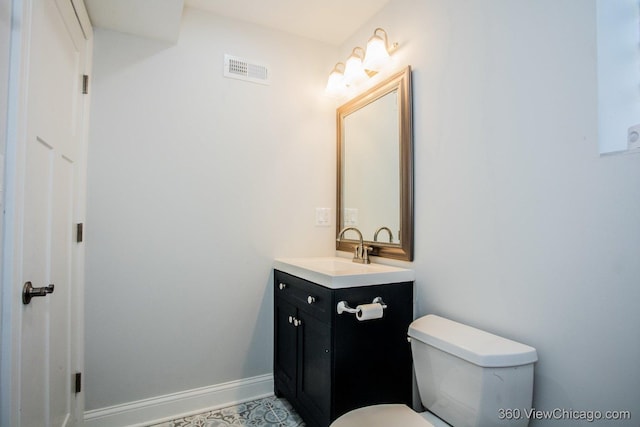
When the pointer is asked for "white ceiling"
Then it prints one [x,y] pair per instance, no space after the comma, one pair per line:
[329,21]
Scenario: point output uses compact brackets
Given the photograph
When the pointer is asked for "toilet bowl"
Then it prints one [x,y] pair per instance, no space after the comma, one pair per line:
[388,415]
[465,376]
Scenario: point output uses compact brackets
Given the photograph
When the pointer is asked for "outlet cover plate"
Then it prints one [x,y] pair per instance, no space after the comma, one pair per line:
[633,138]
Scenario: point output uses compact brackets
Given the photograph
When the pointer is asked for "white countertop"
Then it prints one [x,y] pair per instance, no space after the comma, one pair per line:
[338,273]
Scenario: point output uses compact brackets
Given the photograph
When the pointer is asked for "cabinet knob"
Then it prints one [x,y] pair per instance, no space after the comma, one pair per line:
[297,322]
[282,286]
[290,319]
[311,299]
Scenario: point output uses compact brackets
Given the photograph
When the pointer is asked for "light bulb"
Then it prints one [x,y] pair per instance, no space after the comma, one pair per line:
[335,84]
[353,71]
[377,55]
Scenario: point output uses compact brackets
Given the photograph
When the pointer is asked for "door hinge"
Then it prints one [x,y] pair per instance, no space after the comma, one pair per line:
[79,232]
[85,84]
[78,382]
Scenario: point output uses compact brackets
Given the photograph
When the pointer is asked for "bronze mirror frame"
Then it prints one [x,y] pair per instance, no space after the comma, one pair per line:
[400,81]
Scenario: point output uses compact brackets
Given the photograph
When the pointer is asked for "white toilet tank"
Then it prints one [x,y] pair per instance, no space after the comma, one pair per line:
[469,377]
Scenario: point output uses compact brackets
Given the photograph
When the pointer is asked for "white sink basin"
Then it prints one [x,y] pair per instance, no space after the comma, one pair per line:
[337,273]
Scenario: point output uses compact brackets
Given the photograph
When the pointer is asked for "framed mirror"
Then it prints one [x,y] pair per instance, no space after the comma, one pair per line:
[375,169]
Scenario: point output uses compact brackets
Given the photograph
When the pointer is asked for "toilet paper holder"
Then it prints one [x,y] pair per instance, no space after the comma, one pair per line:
[343,306]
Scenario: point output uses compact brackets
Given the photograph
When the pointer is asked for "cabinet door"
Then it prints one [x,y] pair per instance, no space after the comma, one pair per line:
[314,367]
[372,359]
[285,349]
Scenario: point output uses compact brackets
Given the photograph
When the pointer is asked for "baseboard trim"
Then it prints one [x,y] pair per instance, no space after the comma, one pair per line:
[181,404]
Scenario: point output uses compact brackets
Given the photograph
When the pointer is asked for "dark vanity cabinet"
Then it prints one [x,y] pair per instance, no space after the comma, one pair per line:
[325,363]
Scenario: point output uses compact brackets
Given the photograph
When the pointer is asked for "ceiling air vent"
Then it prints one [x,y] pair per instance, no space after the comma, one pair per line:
[242,69]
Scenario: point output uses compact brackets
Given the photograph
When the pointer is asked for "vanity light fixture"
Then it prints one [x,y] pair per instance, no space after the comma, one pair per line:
[354,71]
[361,65]
[336,83]
[378,51]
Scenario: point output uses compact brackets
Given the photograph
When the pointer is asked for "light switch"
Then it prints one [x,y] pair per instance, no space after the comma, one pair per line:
[323,217]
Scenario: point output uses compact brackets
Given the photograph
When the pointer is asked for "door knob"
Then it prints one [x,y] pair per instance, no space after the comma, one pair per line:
[28,292]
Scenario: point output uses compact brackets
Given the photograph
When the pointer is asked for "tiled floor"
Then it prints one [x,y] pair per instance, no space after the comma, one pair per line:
[267,412]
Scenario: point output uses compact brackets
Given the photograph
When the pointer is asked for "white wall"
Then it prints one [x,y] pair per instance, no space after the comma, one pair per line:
[521,227]
[196,183]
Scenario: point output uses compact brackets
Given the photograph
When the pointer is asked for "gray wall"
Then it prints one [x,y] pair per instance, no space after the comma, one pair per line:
[196,182]
[521,227]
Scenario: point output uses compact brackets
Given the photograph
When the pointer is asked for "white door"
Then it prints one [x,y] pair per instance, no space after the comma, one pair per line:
[49,346]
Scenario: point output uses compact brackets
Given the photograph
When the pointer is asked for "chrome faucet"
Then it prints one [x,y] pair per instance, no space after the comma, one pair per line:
[375,235]
[361,253]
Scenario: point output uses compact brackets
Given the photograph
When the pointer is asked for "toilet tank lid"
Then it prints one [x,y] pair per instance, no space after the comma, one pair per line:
[473,345]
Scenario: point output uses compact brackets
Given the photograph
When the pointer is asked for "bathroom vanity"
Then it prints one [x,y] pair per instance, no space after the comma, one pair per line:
[326,363]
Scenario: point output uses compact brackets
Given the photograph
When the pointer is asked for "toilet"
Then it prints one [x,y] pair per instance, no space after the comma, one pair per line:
[466,378]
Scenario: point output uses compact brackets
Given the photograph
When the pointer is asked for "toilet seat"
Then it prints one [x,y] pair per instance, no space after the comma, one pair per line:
[382,416]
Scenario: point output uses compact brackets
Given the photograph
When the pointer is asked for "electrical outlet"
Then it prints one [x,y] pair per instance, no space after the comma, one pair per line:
[350,217]
[633,138]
